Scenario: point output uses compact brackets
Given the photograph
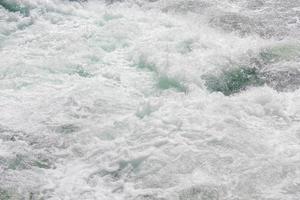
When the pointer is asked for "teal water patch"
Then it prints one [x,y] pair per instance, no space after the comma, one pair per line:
[78,70]
[72,70]
[43,163]
[279,53]
[165,82]
[83,73]
[4,195]
[11,193]
[145,111]
[108,46]
[238,78]
[233,80]
[13,6]
[185,46]
[144,63]
[23,162]
[99,23]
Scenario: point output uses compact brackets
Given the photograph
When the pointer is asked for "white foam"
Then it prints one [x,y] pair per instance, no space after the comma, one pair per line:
[108,102]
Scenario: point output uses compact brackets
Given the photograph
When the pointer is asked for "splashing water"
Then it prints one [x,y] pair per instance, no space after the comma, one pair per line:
[150,100]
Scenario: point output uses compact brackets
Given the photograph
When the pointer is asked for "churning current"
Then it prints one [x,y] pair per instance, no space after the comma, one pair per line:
[150,100]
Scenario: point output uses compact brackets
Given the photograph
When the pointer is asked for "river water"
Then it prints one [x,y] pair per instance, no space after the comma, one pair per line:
[150,100]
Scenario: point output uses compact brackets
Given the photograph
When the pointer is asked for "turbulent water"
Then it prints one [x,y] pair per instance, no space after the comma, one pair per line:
[150,100]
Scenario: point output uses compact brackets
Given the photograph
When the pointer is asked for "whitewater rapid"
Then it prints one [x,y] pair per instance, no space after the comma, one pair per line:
[150,100]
